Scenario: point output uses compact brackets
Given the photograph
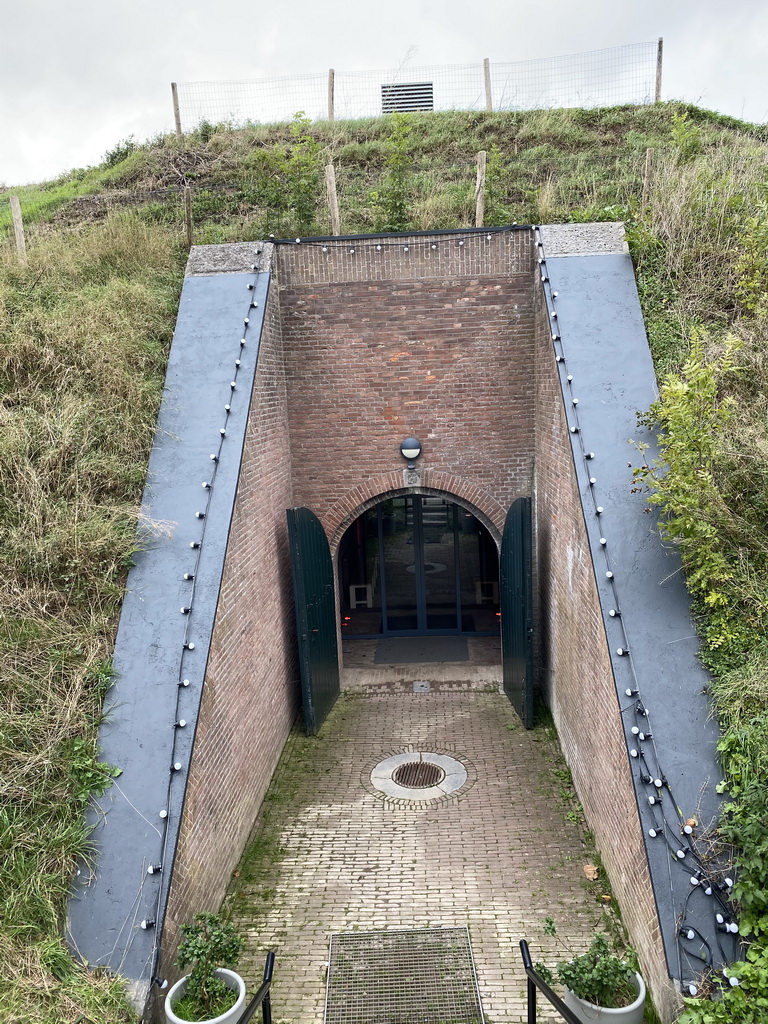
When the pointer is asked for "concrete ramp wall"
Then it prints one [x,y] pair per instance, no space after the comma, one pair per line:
[626,687]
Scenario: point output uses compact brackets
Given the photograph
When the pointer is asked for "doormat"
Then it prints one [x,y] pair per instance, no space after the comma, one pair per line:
[420,976]
[416,650]
[433,621]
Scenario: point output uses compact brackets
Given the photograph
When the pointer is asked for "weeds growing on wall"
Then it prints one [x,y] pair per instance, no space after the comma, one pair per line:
[84,330]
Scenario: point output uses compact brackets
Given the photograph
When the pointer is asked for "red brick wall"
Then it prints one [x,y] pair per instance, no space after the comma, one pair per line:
[251,697]
[369,363]
[577,673]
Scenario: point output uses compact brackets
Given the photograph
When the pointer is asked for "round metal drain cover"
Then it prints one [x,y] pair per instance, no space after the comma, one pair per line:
[418,775]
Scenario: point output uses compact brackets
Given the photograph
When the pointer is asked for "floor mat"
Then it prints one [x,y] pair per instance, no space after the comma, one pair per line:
[410,650]
[434,621]
[420,976]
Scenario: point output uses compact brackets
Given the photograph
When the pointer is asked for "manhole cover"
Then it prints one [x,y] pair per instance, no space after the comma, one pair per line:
[418,775]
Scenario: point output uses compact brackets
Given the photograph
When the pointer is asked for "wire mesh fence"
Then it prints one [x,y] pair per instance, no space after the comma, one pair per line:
[628,74]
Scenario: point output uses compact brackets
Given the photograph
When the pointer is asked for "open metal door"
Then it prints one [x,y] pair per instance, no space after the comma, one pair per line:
[315,615]
[516,600]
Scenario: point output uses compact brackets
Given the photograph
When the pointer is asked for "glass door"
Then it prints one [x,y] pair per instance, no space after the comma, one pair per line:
[417,564]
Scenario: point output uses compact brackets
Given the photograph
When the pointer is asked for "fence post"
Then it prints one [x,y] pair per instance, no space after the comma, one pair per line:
[333,199]
[188,213]
[331,82]
[647,178]
[659,57]
[18,229]
[480,190]
[487,75]
[176,111]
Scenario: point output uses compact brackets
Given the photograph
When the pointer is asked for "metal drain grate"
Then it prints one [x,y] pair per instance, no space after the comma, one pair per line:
[423,976]
[418,775]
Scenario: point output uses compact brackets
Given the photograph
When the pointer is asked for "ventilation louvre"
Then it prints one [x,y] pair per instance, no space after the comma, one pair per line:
[407,96]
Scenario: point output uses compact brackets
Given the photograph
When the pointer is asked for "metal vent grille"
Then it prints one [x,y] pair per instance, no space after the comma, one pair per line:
[420,976]
[407,96]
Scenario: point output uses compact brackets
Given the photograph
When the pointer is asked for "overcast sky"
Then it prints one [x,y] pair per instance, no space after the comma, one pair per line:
[77,76]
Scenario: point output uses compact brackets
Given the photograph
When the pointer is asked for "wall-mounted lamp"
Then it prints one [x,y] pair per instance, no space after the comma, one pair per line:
[410,449]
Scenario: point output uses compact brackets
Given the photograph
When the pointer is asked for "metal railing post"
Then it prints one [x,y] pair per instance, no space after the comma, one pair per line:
[531,1002]
[535,982]
[266,1006]
[262,997]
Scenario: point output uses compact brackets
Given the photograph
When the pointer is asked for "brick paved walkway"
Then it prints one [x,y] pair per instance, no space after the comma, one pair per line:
[335,856]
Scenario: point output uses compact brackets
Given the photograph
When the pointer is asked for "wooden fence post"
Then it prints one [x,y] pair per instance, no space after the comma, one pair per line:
[659,58]
[331,82]
[18,229]
[333,199]
[480,189]
[176,111]
[487,75]
[188,213]
[647,179]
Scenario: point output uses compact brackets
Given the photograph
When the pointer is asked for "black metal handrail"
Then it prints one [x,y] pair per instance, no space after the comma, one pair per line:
[262,998]
[535,982]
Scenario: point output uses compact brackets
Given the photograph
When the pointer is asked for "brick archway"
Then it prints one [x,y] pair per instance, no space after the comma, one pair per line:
[433,482]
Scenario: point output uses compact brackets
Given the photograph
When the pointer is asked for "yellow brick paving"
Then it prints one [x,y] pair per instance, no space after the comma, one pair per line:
[499,857]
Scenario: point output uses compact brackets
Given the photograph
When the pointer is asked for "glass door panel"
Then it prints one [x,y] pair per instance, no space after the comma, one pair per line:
[438,528]
[360,575]
[400,545]
[479,575]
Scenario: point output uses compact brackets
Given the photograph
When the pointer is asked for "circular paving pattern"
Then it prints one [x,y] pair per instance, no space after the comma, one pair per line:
[419,775]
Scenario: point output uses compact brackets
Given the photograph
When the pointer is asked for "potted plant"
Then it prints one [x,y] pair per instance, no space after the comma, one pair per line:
[212,992]
[599,986]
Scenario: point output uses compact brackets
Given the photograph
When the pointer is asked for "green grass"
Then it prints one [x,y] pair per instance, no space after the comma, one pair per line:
[84,330]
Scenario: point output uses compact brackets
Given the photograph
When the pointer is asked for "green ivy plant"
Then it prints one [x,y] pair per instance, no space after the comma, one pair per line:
[752,262]
[302,173]
[208,944]
[597,976]
[391,202]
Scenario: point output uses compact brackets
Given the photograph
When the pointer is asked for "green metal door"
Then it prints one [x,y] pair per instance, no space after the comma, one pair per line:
[315,615]
[516,599]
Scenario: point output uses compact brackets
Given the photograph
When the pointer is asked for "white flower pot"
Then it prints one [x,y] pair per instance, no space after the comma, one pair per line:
[233,1014]
[589,1013]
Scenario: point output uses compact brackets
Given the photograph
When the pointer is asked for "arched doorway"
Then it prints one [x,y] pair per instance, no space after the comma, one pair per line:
[416,565]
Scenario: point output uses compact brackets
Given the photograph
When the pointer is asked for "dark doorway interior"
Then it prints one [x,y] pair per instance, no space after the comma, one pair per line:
[416,565]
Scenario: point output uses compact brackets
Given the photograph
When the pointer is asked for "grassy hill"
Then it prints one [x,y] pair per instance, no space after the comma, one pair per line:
[85,327]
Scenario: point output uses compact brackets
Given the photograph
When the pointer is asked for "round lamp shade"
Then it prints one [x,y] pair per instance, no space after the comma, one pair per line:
[410,448]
